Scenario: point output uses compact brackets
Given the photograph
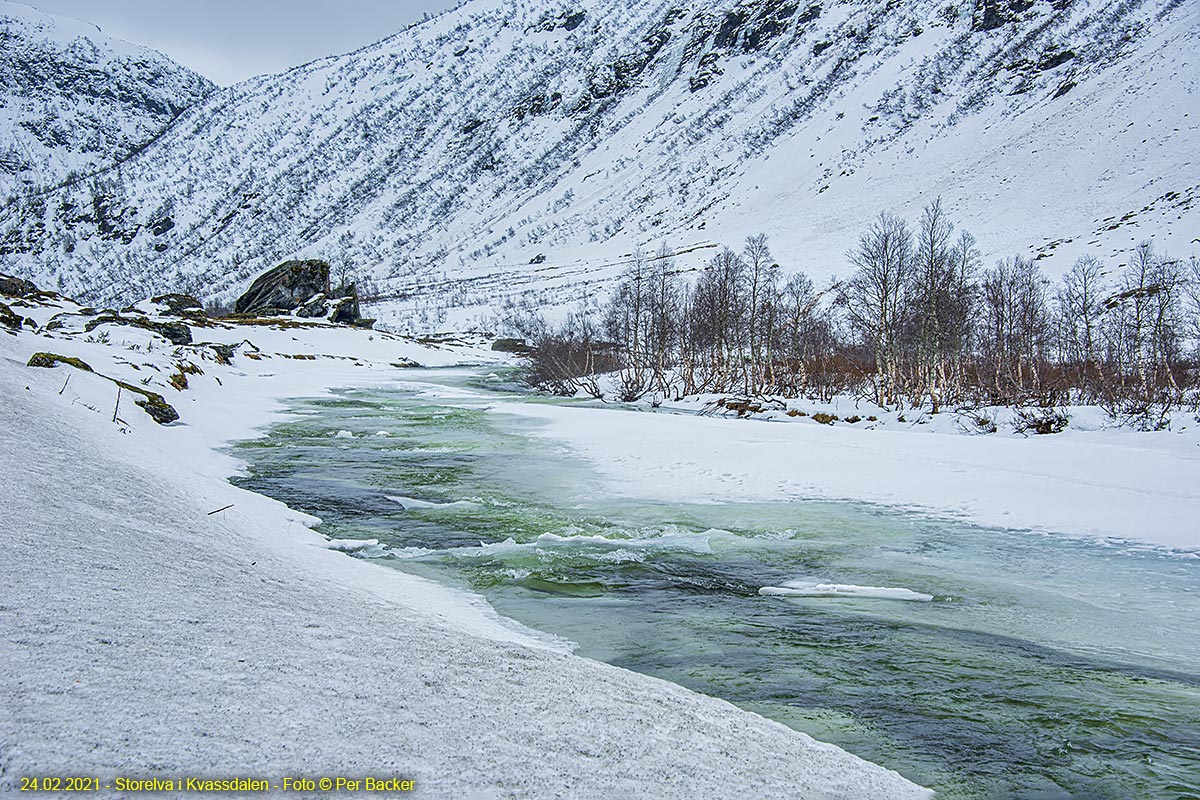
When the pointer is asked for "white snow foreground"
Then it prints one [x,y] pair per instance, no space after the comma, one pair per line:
[142,636]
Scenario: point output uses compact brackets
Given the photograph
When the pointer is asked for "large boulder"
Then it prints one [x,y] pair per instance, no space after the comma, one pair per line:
[285,287]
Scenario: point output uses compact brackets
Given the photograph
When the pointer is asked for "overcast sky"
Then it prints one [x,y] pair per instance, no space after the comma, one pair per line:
[230,40]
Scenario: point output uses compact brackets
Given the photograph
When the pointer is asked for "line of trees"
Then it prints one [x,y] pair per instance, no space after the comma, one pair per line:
[919,322]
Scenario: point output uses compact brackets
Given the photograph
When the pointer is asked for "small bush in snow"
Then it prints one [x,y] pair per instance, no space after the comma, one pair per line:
[1040,421]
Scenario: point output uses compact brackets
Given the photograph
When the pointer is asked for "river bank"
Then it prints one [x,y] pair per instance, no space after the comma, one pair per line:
[159,621]
[984,662]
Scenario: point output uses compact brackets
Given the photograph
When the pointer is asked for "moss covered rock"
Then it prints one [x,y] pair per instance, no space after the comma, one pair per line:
[152,403]
[51,360]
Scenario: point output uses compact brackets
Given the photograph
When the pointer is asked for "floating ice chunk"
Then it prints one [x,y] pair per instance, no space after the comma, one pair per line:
[382,433]
[343,435]
[695,543]
[351,545]
[412,502]
[402,553]
[815,589]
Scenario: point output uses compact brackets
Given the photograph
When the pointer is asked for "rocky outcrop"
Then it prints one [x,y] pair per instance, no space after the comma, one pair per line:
[345,309]
[181,305]
[518,346]
[992,14]
[152,403]
[301,288]
[16,287]
[285,287]
[175,332]
[8,319]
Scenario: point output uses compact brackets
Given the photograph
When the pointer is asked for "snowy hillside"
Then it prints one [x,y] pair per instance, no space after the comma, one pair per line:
[73,99]
[507,149]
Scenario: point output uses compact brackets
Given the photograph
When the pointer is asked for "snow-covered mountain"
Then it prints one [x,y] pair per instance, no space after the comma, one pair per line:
[73,99]
[527,147]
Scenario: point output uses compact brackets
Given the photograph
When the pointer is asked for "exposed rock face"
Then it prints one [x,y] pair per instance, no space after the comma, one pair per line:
[16,287]
[992,14]
[301,288]
[285,287]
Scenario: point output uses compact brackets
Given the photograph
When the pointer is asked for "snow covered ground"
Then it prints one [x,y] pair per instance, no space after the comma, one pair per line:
[143,635]
[1104,482]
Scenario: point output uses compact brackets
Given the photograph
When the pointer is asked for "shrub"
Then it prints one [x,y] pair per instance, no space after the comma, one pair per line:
[1040,421]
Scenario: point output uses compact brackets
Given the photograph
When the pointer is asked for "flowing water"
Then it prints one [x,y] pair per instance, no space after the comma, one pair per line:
[984,663]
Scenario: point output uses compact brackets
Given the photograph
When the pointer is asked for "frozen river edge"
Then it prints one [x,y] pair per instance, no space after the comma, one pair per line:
[144,636]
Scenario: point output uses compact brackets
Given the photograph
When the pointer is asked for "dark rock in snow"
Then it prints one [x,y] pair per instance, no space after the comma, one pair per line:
[318,306]
[1055,59]
[181,305]
[992,14]
[175,332]
[16,287]
[153,404]
[284,287]
[345,309]
[511,346]
[51,360]
[8,319]
[223,352]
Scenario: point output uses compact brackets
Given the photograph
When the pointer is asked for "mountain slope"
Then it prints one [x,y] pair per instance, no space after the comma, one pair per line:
[73,99]
[445,159]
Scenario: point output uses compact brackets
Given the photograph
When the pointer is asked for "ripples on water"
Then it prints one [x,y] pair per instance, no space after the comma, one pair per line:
[1041,668]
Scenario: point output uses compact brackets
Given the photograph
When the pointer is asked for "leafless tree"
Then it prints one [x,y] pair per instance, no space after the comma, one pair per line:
[875,294]
[1080,314]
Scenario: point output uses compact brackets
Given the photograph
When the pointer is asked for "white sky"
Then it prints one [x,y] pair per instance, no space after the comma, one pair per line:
[230,40]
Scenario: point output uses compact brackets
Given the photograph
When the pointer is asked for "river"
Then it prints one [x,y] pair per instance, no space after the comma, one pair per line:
[981,662]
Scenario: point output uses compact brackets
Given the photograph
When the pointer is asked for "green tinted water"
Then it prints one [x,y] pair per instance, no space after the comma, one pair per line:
[1043,667]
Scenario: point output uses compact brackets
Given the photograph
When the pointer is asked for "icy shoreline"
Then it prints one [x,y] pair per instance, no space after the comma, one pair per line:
[147,635]
[1114,485]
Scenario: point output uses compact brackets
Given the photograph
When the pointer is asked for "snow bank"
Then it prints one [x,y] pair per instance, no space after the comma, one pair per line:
[142,633]
[1111,484]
